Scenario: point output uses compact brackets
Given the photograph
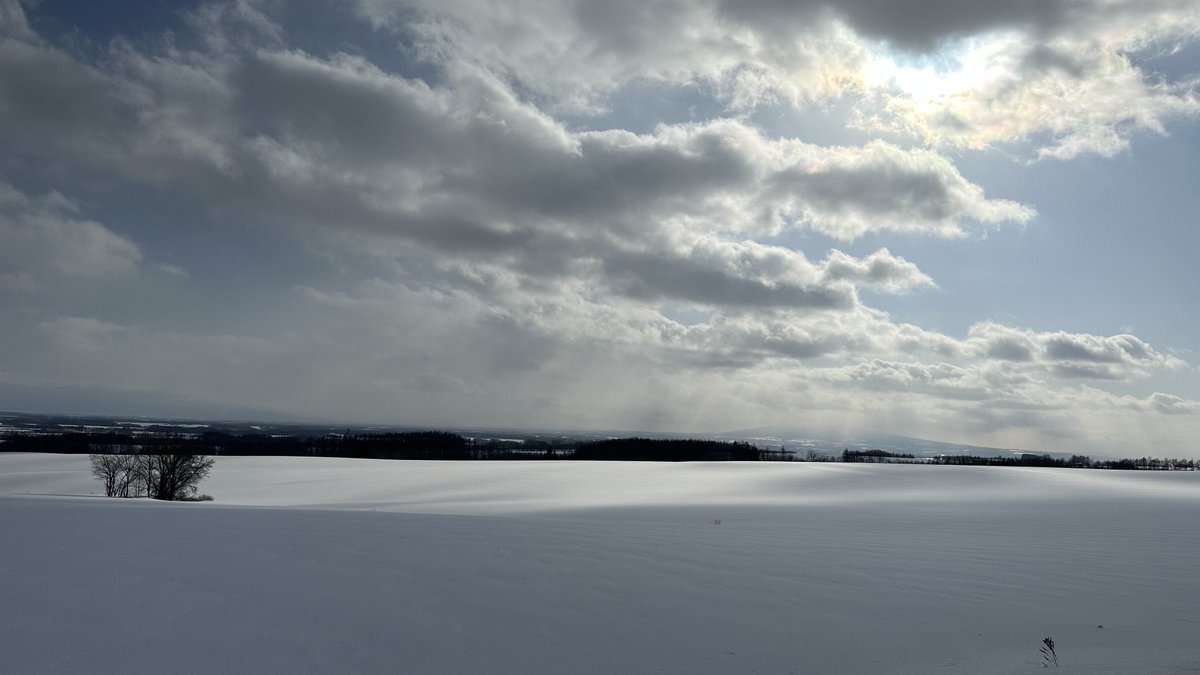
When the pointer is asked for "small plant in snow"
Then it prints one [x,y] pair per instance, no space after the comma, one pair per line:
[1048,655]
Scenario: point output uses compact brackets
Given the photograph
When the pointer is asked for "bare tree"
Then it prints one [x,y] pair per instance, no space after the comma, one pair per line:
[175,476]
[141,475]
[119,473]
[109,470]
[169,477]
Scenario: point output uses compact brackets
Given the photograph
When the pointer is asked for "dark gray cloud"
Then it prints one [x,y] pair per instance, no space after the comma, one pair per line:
[654,277]
[1072,348]
[467,169]
[1008,350]
[877,191]
[52,100]
[911,24]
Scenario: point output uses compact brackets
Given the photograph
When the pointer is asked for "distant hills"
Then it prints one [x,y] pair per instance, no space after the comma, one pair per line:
[797,442]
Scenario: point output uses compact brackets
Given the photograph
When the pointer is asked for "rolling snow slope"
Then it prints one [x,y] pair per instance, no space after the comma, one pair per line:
[328,565]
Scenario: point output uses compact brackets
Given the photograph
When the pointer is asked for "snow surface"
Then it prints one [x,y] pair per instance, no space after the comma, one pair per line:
[311,565]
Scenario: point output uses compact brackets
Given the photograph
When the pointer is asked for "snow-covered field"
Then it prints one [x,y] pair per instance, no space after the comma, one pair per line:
[305,565]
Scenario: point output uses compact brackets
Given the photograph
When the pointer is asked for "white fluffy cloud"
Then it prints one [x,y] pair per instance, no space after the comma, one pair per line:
[574,53]
[1069,355]
[1068,76]
[1069,95]
[466,168]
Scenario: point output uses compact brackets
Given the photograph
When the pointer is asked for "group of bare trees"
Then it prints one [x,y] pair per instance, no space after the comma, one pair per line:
[170,477]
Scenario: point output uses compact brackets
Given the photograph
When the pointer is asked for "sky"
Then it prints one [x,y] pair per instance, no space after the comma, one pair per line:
[960,220]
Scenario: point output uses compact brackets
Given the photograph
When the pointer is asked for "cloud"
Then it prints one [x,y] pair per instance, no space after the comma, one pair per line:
[1063,75]
[17,282]
[880,270]
[476,235]
[432,160]
[1067,87]
[80,333]
[86,353]
[574,54]
[650,276]
[447,354]
[847,192]
[909,24]
[1069,355]
[1169,404]
[467,169]
[12,20]
[174,271]
[46,235]
[747,274]
[51,100]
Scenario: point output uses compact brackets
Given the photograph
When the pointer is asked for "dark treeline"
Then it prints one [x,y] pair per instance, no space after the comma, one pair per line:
[411,445]
[430,445]
[1148,464]
[448,446]
[1025,459]
[1072,462]
[660,450]
[108,442]
[874,456]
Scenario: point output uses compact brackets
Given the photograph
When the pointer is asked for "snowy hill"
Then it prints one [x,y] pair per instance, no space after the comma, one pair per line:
[327,565]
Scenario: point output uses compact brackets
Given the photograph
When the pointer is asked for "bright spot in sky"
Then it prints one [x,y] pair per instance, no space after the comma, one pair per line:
[964,66]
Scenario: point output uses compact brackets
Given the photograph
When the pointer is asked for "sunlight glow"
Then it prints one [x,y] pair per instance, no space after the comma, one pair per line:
[966,66]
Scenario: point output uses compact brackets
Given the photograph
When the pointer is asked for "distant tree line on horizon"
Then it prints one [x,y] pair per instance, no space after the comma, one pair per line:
[438,445]
[421,445]
[876,456]
[666,450]
[1025,459]
[414,445]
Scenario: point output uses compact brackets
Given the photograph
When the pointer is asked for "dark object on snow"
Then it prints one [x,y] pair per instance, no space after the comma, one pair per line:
[1048,655]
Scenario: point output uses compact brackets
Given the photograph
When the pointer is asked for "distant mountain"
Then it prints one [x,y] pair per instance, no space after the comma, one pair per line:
[796,441]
